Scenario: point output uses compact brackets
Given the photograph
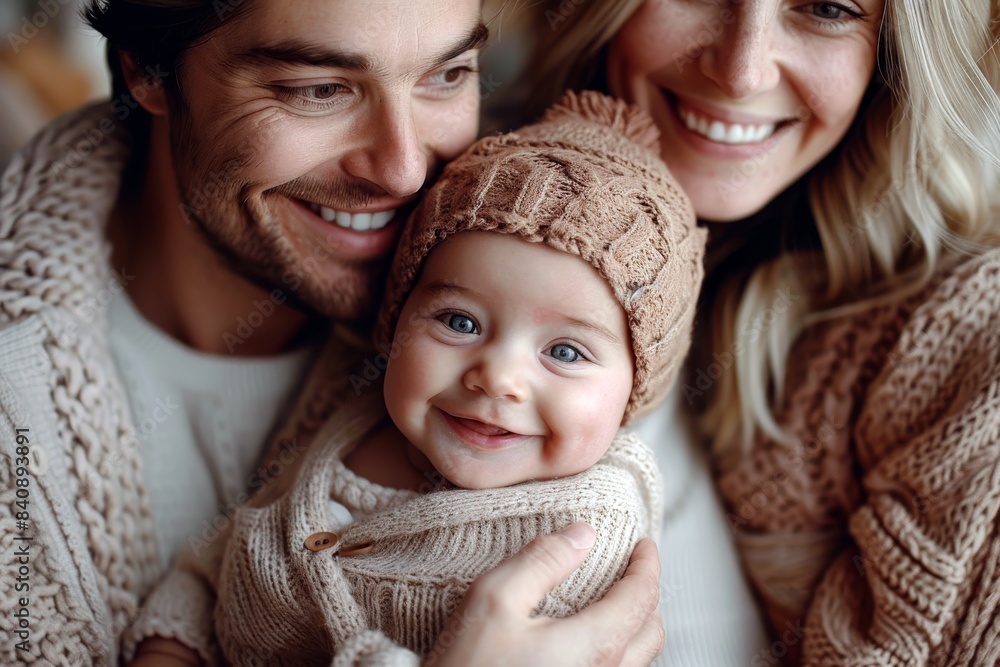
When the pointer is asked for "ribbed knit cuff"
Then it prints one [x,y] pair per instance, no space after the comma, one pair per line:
[179,608]
[373,649]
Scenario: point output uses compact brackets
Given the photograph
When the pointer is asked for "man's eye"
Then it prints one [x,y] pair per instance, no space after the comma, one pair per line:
[566,353]
[452,77]
[462,324]
[318,97]
[320,92]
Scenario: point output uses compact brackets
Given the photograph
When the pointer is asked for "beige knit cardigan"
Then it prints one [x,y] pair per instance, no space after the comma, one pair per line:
[92,549]
[280,603]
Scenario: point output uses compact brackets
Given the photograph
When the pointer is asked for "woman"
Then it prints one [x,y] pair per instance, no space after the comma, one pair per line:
[845,158]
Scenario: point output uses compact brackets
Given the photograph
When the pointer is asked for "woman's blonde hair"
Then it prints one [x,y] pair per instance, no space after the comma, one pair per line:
[915,178]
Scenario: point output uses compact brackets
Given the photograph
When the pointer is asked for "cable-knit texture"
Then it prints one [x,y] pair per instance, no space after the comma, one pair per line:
[281,604]
[888,502]
[57,193]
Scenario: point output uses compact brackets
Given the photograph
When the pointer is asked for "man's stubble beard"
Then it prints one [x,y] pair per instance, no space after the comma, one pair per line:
[249,242]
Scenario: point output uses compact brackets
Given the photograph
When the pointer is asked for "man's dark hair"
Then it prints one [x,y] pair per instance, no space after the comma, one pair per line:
[156,33]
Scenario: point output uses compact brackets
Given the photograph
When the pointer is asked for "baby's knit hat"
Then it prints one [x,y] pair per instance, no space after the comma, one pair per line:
[586,179]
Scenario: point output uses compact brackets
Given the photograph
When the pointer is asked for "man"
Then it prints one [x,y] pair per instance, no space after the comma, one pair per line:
[247,182]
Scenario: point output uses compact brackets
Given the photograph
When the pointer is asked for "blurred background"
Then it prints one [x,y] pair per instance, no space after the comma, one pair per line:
[50,62]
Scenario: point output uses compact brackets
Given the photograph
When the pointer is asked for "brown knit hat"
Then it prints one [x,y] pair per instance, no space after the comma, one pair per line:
[586,180]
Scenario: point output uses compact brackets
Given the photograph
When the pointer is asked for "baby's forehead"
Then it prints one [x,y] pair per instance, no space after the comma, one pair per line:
[539,284]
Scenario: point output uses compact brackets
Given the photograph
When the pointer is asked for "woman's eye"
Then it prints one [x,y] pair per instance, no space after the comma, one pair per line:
[462,324]
[566,353]
[829,10]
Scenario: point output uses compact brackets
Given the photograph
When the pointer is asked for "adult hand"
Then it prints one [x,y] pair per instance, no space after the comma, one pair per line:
[492,627]
[163,652]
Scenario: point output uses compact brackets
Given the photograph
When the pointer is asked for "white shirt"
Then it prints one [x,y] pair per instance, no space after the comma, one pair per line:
[709,615]
[202,421]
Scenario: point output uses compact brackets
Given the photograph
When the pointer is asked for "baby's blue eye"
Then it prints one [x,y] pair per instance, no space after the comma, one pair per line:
[462,324]
[567,353]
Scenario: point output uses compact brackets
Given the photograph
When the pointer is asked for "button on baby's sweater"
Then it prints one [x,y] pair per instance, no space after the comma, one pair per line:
[321,541]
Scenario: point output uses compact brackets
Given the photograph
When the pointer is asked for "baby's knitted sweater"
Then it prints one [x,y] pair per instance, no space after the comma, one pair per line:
[281,603]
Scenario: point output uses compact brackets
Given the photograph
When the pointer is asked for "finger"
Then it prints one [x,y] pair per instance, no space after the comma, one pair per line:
[646,645]
[522,580]
[621,614]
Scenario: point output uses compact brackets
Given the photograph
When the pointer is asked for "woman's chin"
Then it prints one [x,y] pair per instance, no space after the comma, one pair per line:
[722,213]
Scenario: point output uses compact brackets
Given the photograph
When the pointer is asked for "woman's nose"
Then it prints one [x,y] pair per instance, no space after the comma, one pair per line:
[742,61]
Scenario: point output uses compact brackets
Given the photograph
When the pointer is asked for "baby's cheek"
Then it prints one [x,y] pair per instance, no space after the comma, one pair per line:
[585,429]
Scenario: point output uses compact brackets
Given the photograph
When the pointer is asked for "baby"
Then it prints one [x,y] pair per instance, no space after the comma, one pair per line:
[541,298]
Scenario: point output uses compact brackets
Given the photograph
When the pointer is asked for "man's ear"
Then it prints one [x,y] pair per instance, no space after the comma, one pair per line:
[145,87]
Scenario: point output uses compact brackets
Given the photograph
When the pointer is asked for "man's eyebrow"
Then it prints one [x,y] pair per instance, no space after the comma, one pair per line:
[476,39]
[299,52]
[302,52]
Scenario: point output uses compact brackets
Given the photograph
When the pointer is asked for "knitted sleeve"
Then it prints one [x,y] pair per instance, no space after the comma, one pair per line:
[180,607]
[922,578]
[873,537]
[49,613]
[77,547]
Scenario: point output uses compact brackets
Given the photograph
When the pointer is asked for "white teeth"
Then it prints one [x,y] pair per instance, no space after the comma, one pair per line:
[381,219]
[717,131]
[725,133]
[361,222]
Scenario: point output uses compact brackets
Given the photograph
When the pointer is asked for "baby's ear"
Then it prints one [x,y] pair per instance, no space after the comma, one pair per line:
[144,85]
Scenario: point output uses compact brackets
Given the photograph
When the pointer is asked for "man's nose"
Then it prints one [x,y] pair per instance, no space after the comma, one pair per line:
[391,154]
[499,374]
[742,60]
